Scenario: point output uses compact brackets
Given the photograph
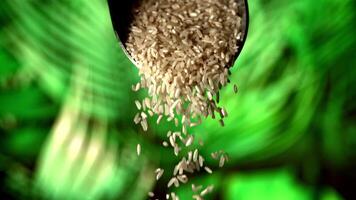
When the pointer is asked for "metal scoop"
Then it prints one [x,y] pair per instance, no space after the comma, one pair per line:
[121,16]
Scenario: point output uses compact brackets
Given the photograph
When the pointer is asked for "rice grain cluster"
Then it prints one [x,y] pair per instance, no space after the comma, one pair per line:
[183,49]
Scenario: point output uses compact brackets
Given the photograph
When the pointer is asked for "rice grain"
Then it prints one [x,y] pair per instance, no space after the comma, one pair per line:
[221,161]
[207,169]
[159,174]
[174,181]
[196,188]
[151,194]
[138,149]
[195,155]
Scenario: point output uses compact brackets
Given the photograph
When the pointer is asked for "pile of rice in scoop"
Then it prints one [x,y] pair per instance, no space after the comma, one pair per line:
[183,49]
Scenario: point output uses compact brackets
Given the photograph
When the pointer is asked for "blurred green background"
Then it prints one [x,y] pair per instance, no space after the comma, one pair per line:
[66,107]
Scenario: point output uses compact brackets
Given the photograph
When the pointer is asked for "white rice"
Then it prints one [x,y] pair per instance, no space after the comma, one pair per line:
[207,169]
[189,141]
[138,149]
[184,50]
[196,188]
[183,178]
[175,74]
[222,161]
[165,144]
[159,173]
[174,181]
[195,155]
[207,190]
[138,105]
[151,194]
[197,197]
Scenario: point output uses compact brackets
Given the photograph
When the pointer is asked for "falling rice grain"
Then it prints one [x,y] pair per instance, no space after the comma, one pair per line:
[150,113]
[196,188]
[223,112]
[182,168]
[190,155]
[138,105]
[173,181]
[183,178]
[201,161]
[174,196]
[159,119]
[221,161]
[226,157]
[144,124]
[176,123]
[151,194]
[138,149]
[214,155]
[147,102]
[204,192]
[189,141]
[170,118]
[158,169]
[176,169]
[143,115]
[137,118]
[207,169]
[176,150]
[169,133]
[172,141]
[197,197]
[195,155]
[207,190]
[136,87]
[159,174]
[184,129]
